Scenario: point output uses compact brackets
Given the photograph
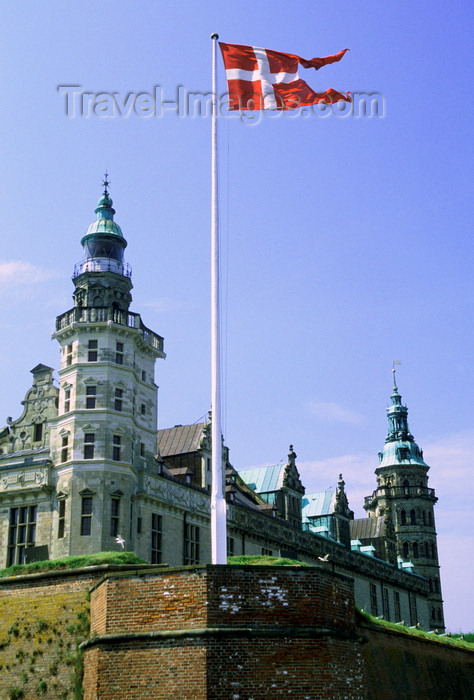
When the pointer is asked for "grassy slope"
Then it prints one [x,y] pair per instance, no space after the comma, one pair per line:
[72,563]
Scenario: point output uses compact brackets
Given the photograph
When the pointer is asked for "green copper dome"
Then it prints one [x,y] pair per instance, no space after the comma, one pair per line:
[105,224]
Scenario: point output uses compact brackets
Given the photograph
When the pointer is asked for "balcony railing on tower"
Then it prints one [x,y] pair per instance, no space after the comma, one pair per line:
[89,314]
[102,265]
[400,491]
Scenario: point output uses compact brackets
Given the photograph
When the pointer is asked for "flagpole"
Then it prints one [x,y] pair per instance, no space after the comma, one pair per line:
[218,503]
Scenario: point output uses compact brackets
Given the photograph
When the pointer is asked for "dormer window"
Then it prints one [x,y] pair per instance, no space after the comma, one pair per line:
[402,453]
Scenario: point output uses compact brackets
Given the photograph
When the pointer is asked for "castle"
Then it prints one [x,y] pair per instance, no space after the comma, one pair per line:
[84,469]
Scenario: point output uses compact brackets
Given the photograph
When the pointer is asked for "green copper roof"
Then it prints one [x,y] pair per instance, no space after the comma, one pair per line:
[400,446]
[264,479]
[315,504]
[105,224]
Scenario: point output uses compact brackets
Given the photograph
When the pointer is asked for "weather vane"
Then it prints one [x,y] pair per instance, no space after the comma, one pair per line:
[106,182]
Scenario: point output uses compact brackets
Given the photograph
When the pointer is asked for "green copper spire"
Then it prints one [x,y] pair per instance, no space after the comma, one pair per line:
[400,445]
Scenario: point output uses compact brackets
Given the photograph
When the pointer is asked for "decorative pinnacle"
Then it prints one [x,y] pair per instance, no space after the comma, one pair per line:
[106,182]
[395,362]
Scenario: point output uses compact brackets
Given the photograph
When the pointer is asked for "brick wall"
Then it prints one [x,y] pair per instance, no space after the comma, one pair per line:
[221,632]
[217,632]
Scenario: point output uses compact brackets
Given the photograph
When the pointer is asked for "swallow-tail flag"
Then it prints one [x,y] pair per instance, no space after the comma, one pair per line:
[265,79]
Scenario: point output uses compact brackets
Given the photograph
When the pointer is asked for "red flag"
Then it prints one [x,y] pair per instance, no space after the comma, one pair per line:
[264,79]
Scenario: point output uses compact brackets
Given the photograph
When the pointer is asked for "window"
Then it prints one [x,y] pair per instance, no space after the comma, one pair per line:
[142,409]
[86,515]
[38,432]
[230,546]
[385,604]
[64,448]
[267,552]
[413,609]
[191,544]
[433,551]
[67,400]
[373,599]
[92,351]
[119,353]
[118,399]
[412,517]
[396,606]
[424,517]
[142,449]
[69,355]
[114,516]
[143,375]
[21,533]
[415,550]
[403,517]
[61,517]
[117,440]
[91,392]
[89,440]
[405,550]
[139,525]
[402,453]
[156,538]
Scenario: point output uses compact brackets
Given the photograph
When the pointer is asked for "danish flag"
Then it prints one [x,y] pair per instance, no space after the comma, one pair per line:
[265,79]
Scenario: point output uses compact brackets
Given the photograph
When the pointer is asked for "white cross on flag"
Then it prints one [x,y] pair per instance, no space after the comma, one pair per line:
[265,79]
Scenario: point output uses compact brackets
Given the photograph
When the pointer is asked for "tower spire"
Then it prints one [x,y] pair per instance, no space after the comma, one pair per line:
[106,182]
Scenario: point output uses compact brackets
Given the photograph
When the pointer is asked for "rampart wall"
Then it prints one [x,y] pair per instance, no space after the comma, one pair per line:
[211,632]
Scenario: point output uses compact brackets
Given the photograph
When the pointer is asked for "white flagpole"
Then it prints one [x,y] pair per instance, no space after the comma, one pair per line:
[218,503]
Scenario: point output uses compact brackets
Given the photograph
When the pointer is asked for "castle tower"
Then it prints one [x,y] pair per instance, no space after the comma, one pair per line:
[404,497]
[105,433]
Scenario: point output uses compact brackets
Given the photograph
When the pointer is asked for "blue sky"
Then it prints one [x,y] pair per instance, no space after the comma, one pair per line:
[345,240]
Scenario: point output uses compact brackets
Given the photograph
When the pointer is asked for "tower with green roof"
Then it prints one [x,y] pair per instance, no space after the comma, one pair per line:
[403,496]
[104,439]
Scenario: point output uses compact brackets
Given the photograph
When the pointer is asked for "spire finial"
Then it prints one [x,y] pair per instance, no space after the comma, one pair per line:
[395,362]
[106,182]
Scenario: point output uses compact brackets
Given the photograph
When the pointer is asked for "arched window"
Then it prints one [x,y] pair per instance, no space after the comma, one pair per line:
[406,483]
[403,517]
[412,517]
[415,550]
[424,517]
[430,518]
[405,550]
